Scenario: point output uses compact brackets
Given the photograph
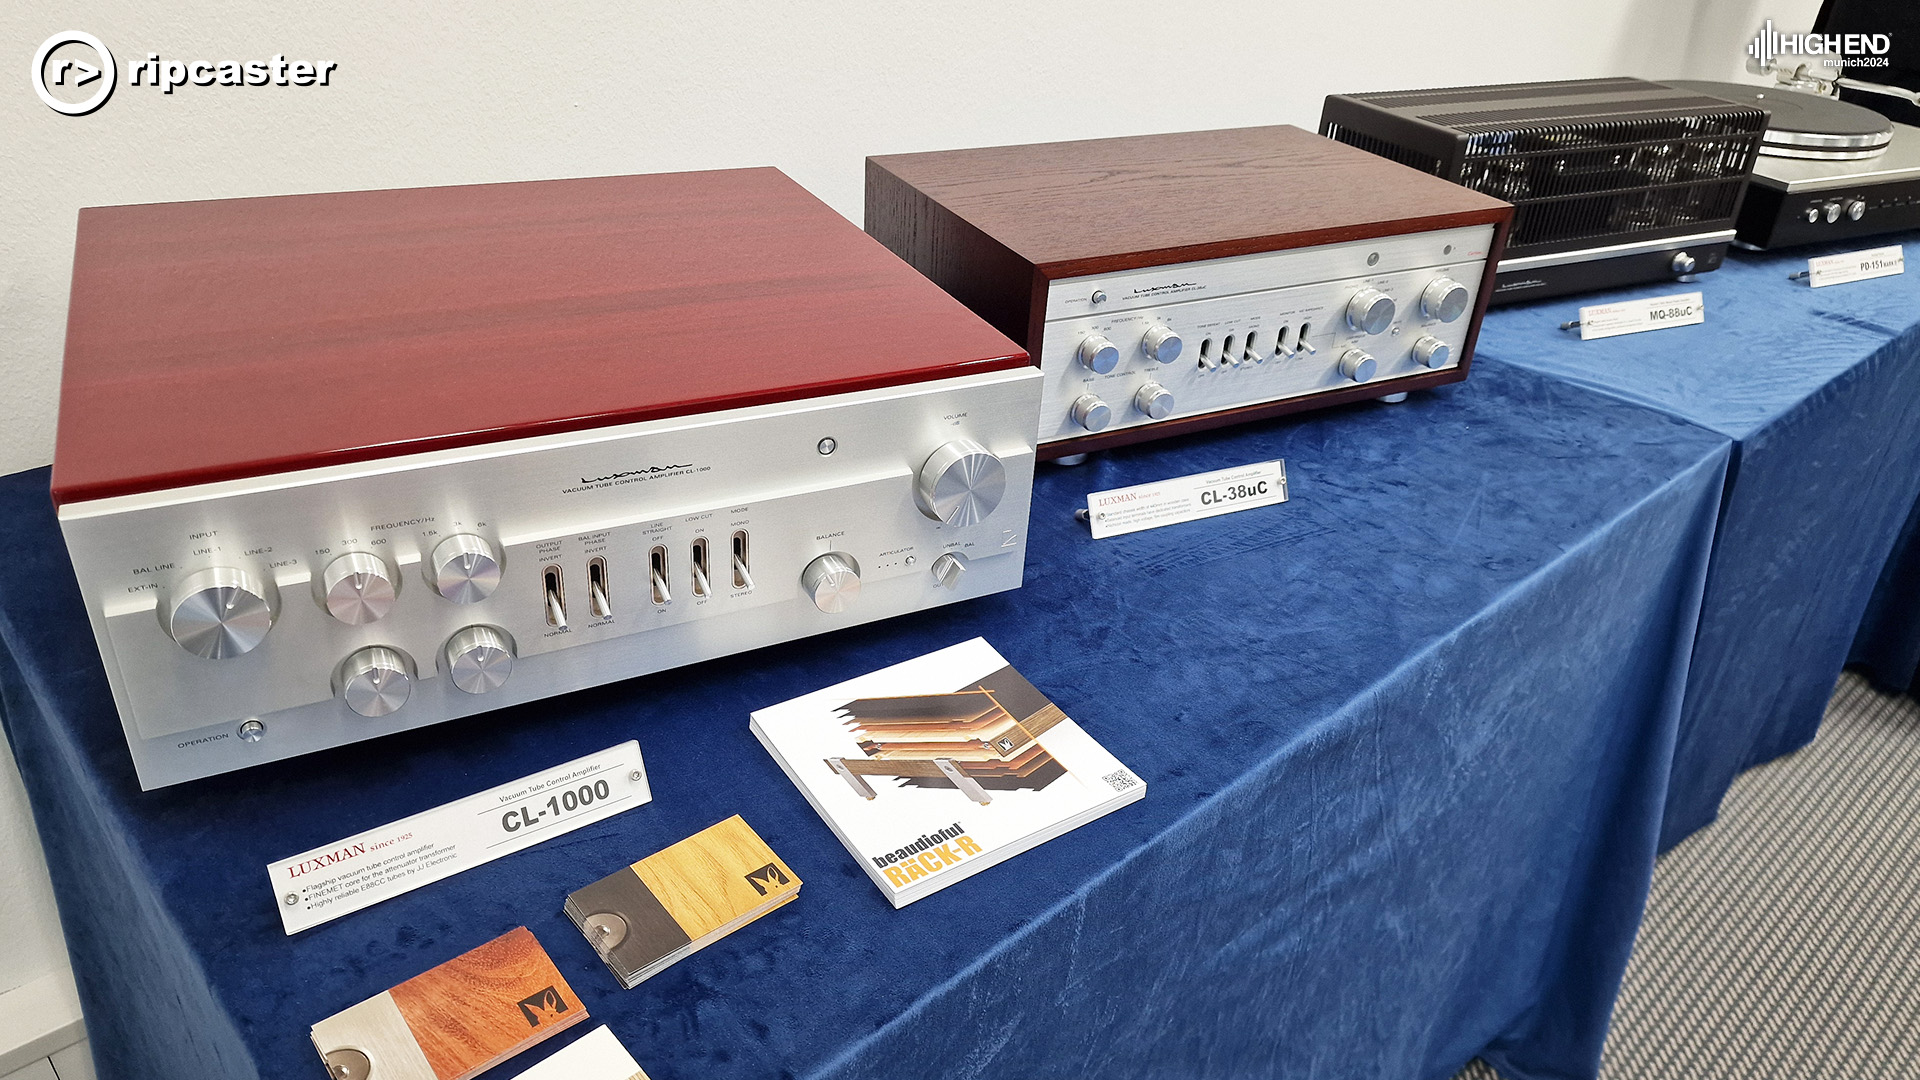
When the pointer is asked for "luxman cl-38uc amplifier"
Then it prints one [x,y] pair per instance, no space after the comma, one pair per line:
[332,466]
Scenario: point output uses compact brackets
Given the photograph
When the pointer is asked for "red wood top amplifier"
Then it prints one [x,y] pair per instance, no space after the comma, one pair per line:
[1167,283]
[331,466]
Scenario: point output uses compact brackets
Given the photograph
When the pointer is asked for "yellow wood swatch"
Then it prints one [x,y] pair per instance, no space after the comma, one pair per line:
[715,876]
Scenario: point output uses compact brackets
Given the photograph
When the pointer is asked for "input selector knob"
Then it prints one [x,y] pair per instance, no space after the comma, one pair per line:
[1357,365]
[1099,354]
[1444,299]
[833,581]
[375,681]
[1431,352]
[357,588]
[1162,343]
[464,569]
[960,483]
[479,659]
[221,612]
[1370,311]
[1092,413]
[1155,401]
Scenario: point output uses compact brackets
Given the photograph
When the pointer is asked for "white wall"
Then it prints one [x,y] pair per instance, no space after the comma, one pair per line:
[524,91]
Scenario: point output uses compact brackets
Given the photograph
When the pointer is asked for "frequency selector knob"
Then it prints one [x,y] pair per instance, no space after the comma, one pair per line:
[1162,343]
[1356,365]
[479,659]
[1370,311]
[221,612]
[1154,400]
[1099,354]
[1431,352]
[374,681]
[1091,413]
[357,588]
[464,569]
[960,483]
[1444,299]
[833,581]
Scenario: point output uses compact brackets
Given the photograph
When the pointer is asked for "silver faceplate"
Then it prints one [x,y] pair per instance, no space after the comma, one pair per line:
[612,494]
[1263,294]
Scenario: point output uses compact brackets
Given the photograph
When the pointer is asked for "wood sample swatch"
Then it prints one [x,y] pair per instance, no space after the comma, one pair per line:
[454,1021]
[675,902]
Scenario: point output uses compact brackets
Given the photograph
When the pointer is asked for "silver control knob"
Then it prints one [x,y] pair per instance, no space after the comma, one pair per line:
[1357,365]
[479,659]
[1444,299]
[1154,400]
[960,483]
[375,681]
[1162,344]
[1431,352]
[1831,211]
[464,569]
[1099,354]
[833,581]
[1370,311]
[1813,215]
[948,569]
[220,612]
[357,588]
[1683,263]
[1091,413]
[1856,209]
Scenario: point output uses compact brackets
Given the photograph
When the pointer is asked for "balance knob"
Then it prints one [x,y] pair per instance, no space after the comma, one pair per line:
[1856,209]
[1370,311]
[479,658]
[221,612]
[832,580]
[357,588]
[948,569]
[1162,344]
[1154,400]
[1091,413]
[1099,354]
[374,681]
[1444,299]
[464,569]
[1431,352]
[1357,365]
[961,483]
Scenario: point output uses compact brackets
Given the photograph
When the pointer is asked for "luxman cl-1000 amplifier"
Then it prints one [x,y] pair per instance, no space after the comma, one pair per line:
[1167,283]
[332,466]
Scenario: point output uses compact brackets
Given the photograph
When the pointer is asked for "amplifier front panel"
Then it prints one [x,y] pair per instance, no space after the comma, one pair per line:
[597,536]
[1253,329]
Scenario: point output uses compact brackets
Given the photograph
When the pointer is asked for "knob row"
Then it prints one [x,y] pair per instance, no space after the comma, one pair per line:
[377,680]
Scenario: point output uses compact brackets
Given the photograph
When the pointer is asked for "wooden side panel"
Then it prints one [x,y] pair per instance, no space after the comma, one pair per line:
[715,876]
[485,1006]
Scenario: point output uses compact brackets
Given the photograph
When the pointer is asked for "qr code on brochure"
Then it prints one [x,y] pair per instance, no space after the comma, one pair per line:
[1121,781]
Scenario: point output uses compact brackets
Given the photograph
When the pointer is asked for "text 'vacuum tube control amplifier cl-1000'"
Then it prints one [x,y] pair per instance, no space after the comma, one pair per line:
[1167,283]
[332,466]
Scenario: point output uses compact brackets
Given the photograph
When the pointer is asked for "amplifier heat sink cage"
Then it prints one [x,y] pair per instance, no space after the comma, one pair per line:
[1170,283]
[1614,181]
[335,466]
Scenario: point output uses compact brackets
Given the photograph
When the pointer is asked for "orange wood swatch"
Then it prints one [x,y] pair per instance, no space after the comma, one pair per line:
[479,1009]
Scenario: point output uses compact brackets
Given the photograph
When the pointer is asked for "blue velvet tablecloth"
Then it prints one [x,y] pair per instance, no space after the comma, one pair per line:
[1406,737]
[1820,391]
[1888,645]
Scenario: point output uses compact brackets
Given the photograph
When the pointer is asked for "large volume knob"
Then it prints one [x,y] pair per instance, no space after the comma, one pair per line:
[479,659]
[1444,299]
[1099,354]
[1154,400]
[1162,343]
[1431,352]
[357,588]
[961,483]
[1357,365]
[464,569]
[1092,413]
[374,681]
[832,580]
[221,612]
[1370,311]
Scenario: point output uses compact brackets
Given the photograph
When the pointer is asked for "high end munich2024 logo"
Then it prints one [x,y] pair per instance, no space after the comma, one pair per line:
[75,73]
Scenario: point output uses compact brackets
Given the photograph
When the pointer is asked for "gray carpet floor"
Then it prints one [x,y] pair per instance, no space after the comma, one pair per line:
[1784,939]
